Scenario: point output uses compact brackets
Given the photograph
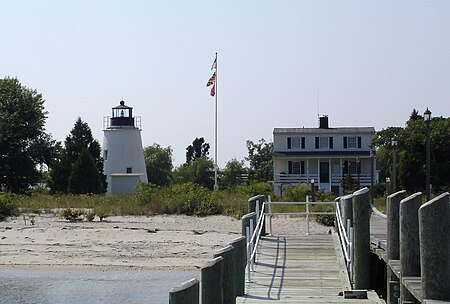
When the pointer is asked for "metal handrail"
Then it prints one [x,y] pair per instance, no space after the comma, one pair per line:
[377,212]
[346,238]
[253,236]
[307,212]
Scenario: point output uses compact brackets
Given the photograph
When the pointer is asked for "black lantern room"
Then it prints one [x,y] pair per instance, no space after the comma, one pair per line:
[122,115]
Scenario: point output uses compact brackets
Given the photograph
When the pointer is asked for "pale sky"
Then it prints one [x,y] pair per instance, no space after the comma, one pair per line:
[363,63]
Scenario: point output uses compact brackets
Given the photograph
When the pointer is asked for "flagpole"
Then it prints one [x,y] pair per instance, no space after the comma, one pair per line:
[216,185]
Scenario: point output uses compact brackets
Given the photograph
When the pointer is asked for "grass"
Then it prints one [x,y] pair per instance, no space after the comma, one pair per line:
[173,200]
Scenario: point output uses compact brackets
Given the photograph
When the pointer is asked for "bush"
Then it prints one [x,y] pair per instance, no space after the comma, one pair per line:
[89,216]
[72,215]
[296,193]
[255,188]
[7,206]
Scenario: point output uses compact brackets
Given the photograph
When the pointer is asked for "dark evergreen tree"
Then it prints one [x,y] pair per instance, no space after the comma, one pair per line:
[84,177]
[79,139]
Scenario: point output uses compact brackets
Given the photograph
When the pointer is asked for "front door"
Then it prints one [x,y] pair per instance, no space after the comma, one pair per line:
[324,172]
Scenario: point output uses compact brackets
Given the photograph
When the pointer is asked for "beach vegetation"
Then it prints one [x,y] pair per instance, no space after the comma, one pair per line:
[72,215]
[7,206]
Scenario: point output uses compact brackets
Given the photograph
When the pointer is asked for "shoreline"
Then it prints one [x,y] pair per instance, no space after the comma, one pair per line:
[125,243]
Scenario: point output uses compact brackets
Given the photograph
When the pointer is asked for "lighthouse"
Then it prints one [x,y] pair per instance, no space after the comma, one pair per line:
[123,155]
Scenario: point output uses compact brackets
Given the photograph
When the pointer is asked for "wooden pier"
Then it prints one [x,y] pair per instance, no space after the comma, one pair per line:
[300,269]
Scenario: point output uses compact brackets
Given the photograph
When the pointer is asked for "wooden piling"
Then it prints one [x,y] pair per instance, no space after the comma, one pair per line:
[409,241]
[229,273]
[347,210]
[185,293]
[212,275]
[240,261]
[393,244]
[361,237]
[434,226]
[245,221]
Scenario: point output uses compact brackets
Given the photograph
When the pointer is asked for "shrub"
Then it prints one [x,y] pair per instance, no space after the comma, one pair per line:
[296,193]
[255,188]
[72,215]
[7,206]
[102,215]
[89,216]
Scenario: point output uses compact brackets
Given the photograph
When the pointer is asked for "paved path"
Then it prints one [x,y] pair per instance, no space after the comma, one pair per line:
[299,269]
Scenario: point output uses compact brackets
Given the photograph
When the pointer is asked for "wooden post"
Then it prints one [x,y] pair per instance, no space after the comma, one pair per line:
[240,261]
[393,245]
[347,210]
[361,238]
[246,221]
[185,293]
[212,274]
[434,226]
[409,242]
[228,279]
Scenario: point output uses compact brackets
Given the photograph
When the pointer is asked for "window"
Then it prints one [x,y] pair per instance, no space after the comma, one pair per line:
[351,167]
[105,154]
[129,170]
[296,167]
[324,142]
[352,142]
[295,143]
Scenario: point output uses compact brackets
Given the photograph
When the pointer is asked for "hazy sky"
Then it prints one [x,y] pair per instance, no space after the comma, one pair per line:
[363,63]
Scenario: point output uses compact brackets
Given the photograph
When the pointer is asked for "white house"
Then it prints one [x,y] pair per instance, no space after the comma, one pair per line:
[322,155]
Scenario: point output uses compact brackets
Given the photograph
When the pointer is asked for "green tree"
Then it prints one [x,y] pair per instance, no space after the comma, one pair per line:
[199,171]
[233,174]
[158,162]
[79,139]
[260,157]
[411,153]
[24,145]
[198,149]
[84,177]
[382,142]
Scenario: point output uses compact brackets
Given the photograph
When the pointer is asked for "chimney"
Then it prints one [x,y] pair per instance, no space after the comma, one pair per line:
[323,122]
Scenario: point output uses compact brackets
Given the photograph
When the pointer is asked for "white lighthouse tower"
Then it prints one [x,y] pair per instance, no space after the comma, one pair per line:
[123,154]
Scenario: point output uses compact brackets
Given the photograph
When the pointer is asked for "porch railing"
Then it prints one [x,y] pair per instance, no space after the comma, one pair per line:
[364,178]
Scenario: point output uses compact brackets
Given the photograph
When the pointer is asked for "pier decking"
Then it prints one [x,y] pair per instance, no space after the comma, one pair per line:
[300,269]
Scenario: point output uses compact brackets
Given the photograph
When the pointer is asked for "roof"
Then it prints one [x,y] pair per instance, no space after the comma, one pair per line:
[367,130]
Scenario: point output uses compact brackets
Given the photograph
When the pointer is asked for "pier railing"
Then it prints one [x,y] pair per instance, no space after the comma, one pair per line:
[308,211]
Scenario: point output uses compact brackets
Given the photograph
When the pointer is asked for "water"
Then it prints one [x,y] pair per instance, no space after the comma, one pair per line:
[114,287]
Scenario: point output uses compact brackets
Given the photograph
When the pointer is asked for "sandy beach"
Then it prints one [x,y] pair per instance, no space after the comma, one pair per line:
[162,242]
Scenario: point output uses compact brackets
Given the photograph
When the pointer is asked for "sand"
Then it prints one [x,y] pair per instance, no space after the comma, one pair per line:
[162,242]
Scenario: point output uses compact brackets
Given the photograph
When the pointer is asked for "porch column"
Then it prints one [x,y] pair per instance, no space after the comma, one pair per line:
[318,173]
[329,172]
[307,171]
[341,171]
